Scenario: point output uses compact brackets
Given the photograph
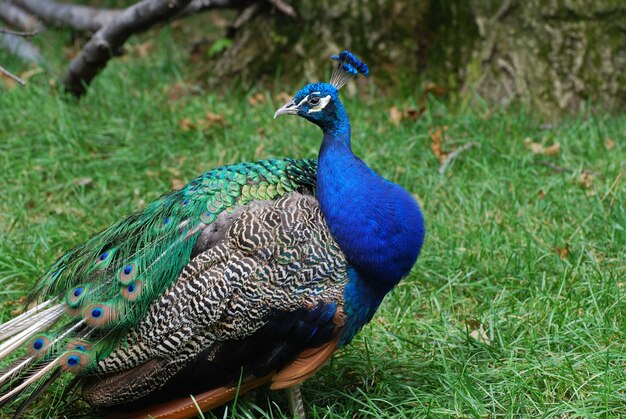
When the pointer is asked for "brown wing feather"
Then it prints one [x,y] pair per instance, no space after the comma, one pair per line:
[303,367]
[183,408]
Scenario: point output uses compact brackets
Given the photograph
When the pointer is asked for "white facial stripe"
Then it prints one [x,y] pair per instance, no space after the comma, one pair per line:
[323,102]
[303,100]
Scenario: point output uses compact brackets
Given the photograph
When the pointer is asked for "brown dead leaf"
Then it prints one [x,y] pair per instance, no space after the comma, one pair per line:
[141,50]
[210,120]
[83,181]
[437,144]
[177,183]
[563,252]
[26,75]
[395,116]
[8,82]
[552,150]
[435,89]
[586,179]
[176,91]
[20,302]
[538,148]
[480,335]
[541,194]
[256,99]
[412,114]
[609,144]
[186,124]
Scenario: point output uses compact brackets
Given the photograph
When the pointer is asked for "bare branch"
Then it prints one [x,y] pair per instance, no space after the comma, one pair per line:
[452,156]
[18,18]
[21,48]
[91,19]
[7,73]
[17,33]
[97,52]
[201,5]
[82,18]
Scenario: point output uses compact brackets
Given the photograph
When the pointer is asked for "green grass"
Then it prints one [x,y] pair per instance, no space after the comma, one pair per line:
[491,322]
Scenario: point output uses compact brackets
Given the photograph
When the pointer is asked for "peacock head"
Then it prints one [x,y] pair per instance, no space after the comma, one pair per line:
[319,102]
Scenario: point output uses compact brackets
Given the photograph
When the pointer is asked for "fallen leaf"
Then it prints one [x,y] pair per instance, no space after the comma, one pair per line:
[609,144]
[552,150]
[395,116]
[538,148]
[434,89]
[176,91]
[25,75]
[8,82]
[412,113]
[210,120]
[20,302]
[186,124]
[563,252]
[437,144]
[586,179]
[480,335]
[83,181]
[177,183]
[143,49]
[541,194]
[256,99]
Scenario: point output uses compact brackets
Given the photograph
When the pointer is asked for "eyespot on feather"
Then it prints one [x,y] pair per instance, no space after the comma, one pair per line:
[99,315]
[74,361]
[78,345]
[38,346]
[105,258]
[127,273]
[208,217]
[76,296]
[132,291]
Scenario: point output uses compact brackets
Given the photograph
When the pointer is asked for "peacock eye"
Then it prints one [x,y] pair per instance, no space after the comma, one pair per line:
[314,101]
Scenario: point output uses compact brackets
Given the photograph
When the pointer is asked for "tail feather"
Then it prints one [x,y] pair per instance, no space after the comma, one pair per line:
[16,324]
[33,378]
[40,389]
[15,369]
[43,321]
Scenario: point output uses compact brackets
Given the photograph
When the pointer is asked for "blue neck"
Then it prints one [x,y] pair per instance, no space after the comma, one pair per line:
[377,224]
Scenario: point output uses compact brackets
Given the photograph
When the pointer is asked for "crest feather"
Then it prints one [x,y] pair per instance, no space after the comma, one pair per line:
[348,66]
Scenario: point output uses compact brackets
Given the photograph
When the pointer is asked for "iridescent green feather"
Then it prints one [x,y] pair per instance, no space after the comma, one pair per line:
[121,270]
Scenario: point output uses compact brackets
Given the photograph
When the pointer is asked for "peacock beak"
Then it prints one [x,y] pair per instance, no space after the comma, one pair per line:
[290,108]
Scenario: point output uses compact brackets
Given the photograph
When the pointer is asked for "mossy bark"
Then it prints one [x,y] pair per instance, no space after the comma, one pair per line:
[552,55]
[383,32]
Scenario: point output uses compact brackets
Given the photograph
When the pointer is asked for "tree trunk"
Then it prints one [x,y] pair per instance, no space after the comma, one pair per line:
[552,55]
[384,32]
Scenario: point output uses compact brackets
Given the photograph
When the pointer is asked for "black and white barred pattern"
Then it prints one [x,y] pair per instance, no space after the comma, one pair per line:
[268,256]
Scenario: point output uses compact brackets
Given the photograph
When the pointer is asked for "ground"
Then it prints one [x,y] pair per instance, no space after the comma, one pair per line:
[516,305]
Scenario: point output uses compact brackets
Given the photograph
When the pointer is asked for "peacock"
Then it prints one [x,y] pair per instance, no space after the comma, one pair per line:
[251,274]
